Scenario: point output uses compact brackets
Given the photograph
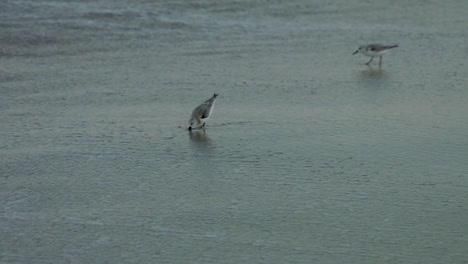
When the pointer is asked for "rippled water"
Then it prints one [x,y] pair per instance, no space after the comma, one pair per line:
[310,155]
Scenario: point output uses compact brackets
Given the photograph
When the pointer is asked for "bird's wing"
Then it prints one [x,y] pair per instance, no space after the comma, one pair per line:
[206,112]
[200,112]
[376,47]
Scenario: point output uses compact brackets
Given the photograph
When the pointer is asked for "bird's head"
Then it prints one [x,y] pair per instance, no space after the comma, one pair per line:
[361,48]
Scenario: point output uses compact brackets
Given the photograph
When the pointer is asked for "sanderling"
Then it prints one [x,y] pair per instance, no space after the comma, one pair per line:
[374,50]
[201,113]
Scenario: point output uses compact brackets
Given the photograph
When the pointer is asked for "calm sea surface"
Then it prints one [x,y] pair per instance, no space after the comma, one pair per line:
[310,156]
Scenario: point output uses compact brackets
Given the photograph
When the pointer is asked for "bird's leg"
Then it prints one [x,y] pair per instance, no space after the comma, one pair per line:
[203,126]
[380,61]
[370,61]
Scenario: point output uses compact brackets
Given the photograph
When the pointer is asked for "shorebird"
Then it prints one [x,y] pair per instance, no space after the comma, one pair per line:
[374,50]
[201,113]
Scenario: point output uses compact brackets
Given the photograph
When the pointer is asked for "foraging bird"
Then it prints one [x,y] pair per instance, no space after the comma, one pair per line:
[374,50]
[201,113]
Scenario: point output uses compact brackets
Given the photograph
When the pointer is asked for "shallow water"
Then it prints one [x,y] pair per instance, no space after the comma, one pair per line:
[310,155]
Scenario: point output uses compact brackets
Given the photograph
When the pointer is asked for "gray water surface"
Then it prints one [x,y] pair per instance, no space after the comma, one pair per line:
[310,156]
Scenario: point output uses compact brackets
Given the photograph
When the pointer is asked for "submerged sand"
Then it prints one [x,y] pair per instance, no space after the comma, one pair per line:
[310,156]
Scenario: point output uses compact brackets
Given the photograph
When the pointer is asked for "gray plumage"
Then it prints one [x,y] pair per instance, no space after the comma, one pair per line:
[374,50]
[202,112]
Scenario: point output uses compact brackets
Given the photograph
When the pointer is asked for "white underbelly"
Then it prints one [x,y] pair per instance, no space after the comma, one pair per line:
[375,54]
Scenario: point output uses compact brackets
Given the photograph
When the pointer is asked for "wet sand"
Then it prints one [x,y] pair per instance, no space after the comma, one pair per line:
[310,155]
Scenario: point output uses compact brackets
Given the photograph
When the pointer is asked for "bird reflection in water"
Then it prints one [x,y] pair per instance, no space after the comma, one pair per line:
[374,78]
[200,139]
[373,72]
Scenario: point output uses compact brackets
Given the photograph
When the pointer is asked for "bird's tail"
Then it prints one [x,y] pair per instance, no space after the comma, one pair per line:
[393,46]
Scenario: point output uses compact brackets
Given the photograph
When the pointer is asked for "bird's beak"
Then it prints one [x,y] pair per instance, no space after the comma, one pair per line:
[356,52]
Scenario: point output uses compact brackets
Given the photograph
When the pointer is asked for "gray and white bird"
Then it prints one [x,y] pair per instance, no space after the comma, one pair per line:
[201,113]
[374,50]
